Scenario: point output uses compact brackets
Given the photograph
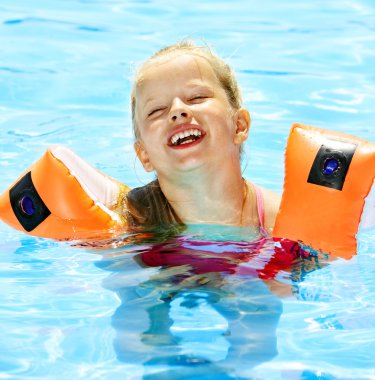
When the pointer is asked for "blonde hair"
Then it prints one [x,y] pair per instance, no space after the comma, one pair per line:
[223,72]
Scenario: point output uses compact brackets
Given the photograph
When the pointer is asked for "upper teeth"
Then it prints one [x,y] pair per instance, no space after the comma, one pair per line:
[181,135]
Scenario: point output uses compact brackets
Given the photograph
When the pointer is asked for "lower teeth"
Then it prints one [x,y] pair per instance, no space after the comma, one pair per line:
[187,142]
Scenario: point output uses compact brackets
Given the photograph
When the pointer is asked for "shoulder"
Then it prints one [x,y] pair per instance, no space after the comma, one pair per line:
[271,207]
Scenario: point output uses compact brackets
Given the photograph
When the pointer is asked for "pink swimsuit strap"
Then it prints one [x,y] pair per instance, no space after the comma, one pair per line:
[260,206]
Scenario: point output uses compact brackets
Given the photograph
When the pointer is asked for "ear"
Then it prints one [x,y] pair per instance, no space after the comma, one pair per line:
[143,156]
[243,121]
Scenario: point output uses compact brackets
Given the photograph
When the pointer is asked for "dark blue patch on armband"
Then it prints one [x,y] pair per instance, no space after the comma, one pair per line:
[27,205]
[331,164]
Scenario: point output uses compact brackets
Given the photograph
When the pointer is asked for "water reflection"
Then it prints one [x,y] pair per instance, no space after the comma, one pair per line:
[196,308]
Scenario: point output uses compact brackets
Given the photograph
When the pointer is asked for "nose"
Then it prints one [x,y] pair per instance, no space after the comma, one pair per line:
[179,111]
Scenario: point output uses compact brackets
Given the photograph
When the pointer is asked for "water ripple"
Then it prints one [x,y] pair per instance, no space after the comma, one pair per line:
[23,71]
[85,28]
[271,73]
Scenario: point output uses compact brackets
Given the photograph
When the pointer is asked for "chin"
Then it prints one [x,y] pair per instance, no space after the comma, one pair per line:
[188,166]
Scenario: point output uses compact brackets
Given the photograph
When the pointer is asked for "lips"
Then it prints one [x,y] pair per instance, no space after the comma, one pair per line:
[185,135]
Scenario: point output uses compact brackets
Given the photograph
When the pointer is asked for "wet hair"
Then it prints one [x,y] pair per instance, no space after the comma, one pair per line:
[222,70]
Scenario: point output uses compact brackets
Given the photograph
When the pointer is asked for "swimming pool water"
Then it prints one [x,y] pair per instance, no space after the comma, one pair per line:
[73,312]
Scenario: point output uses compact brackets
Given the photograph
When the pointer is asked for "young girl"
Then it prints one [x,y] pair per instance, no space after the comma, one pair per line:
[189,128]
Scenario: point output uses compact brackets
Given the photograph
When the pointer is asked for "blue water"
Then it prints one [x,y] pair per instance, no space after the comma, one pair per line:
[70,312]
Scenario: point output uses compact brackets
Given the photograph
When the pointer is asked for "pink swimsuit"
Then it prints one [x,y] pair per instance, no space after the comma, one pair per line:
[210,256]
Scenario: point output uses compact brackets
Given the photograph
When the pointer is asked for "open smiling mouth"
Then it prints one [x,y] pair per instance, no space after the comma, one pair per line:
[185,138]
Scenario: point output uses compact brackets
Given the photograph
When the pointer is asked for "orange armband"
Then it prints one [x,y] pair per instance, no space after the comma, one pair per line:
[62,197]
[328,176]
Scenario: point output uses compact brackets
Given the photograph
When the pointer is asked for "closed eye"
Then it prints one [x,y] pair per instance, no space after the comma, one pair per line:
[198,97]
[155,110]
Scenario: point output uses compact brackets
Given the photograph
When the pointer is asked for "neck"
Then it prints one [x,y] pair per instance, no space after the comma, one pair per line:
[217,197]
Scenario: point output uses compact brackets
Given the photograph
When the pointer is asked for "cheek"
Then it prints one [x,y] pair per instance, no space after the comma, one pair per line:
[152,141]
[224,121]
[150,133]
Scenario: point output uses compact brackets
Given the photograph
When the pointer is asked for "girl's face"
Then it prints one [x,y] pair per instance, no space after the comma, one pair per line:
[184,117]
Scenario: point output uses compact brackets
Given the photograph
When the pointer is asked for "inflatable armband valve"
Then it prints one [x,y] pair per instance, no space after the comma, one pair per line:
[328,176]
[62,197]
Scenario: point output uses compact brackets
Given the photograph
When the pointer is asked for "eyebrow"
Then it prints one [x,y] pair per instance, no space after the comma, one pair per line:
[149,100]
[199,84]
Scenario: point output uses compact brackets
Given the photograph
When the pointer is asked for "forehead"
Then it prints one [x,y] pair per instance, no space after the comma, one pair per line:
[175,69]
